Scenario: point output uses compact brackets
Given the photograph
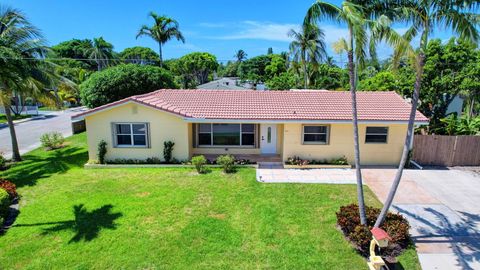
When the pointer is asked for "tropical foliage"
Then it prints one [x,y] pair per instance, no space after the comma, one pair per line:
[122,81]
[163,29]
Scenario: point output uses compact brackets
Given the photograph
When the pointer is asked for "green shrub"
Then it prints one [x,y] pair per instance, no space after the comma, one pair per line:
[101,151]
[227,162]
[348,219]
[122,81]
[199,163]
[4,203]
[167,151]
[52,140]
[9,187]
[339,161]
[3,161]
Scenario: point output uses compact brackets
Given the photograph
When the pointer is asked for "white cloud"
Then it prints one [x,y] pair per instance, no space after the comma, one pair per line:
[260,30]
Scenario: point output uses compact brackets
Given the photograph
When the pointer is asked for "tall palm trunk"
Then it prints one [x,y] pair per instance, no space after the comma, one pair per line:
[13,135]
[408,140]
[304,62]
[160,53]
[352,75]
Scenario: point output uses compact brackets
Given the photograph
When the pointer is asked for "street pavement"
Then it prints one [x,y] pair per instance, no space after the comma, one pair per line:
[29,132]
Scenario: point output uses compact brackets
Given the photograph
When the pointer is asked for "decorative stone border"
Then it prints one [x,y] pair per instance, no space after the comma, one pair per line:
[317,166]
[112,166]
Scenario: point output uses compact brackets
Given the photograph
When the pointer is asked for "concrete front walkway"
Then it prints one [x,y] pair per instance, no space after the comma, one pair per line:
[325,176]
[443,208]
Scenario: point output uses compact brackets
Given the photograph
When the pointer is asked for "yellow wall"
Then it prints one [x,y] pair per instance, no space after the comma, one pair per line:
[341,144]
[163,127]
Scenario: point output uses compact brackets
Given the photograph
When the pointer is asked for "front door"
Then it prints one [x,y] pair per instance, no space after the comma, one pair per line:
[268,138]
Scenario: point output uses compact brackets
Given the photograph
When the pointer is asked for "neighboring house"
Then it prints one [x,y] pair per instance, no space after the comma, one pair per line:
[311,124]
[226,83]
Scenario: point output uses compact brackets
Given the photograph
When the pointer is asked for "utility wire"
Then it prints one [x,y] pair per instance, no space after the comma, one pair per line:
[151,60]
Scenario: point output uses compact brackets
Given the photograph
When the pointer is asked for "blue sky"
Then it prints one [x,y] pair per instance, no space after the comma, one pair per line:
[218,27]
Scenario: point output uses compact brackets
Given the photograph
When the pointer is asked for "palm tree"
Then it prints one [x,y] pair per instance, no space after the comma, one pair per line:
[21,70]
[308,45]
[354,17]
[424,15]
[240,55]
[101,51]
[163,29]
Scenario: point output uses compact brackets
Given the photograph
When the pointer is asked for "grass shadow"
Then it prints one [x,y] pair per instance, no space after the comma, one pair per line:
[36,166]
[86,224]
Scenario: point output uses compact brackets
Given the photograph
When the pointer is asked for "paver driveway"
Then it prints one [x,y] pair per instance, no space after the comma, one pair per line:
[443,208]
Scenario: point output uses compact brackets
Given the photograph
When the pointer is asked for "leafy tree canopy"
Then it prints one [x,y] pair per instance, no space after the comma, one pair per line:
[195,68]
[139,55]
[122,81]
[282,81]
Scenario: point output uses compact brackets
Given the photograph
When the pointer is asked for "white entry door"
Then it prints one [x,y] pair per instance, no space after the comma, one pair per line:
[268,138]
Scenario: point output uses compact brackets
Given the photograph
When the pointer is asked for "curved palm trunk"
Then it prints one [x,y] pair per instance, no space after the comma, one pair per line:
[358,171]
[406,146]
[13,135]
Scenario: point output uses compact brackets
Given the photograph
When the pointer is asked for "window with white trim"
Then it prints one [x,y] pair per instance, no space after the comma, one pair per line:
[130,134]
[315,134]
[376,135]
[226,134]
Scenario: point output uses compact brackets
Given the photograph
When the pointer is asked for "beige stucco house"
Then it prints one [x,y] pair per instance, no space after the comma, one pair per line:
[313,124]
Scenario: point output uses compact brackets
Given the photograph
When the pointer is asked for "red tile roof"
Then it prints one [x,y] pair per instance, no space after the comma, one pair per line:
[274,105]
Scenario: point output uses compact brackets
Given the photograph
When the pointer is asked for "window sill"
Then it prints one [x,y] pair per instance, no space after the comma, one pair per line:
[130,146]
[314,143]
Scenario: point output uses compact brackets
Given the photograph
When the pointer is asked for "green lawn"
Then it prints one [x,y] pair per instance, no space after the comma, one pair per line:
[3,118]
[75,218]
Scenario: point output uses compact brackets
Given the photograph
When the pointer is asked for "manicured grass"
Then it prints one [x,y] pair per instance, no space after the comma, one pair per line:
[75,218]
[3,118]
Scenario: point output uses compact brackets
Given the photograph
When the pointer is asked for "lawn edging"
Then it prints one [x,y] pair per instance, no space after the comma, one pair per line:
[111,166]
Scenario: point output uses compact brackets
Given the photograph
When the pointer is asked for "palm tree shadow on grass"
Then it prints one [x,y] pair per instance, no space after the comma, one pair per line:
[86,224]
[33,167]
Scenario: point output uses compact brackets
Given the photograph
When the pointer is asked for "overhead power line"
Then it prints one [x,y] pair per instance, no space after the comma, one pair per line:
[150,60]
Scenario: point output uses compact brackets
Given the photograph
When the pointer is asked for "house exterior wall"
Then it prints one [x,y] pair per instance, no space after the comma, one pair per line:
[341,144]
[163,127]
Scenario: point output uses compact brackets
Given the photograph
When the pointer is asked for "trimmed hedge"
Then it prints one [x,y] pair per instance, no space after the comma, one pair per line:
[348,219]
[123,81]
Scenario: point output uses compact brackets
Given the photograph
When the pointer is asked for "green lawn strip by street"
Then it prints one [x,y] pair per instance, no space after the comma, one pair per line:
[3,118]
[171,218]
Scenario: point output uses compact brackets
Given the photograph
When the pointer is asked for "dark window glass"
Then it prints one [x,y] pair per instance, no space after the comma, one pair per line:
[315,138]
[123,129]
[248,128]
[204,128]
[124,140]
[139,140]
[226,134]
[139,128]
[376,135]
[376,138]
[248,139]
[315,129]
[378,130]
[204,139]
